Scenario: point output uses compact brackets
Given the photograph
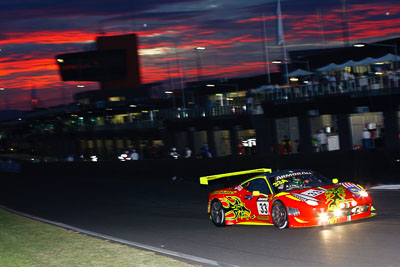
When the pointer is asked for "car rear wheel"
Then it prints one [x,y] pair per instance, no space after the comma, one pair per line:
[279,215]
[217,213]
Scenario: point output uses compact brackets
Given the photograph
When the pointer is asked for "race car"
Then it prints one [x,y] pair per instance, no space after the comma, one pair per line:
[290,198]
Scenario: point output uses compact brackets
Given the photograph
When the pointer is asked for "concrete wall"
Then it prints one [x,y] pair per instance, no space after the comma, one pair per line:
[365,167]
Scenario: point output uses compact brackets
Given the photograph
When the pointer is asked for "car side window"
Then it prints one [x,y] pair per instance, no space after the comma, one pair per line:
[257,185]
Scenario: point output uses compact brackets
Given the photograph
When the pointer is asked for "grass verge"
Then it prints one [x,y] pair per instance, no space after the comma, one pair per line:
[26,242]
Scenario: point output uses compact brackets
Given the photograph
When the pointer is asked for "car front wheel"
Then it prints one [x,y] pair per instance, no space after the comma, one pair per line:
[217,213]
[279,215]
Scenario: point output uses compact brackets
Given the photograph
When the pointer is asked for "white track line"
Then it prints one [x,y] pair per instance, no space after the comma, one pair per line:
[122,241]
[386,186]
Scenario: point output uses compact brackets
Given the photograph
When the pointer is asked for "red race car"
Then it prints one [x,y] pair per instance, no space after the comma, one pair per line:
[290,198]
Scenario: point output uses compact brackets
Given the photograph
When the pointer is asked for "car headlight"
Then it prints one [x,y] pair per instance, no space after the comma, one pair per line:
[323,217]
[312,202]
[363,193]
[337,213]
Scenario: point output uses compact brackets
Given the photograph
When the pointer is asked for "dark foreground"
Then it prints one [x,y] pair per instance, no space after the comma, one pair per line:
[173,216]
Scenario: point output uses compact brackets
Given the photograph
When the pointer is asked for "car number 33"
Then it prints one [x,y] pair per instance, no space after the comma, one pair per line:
[263,207]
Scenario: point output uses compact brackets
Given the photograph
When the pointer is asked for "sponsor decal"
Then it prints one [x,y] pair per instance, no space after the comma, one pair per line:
[279,177]
[353,188]
[279,182]
[334,196]
[263,218]
[236,209]
[263,206]
[312,193]
[239,188]
[304,197]
[333,220]
[347,202]
[223,192]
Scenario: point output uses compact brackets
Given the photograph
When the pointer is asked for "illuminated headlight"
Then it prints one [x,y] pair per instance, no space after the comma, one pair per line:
[354,203]
[337,212]
[363,193]
[342,205]
[323,217]
[293,211]
[312,203]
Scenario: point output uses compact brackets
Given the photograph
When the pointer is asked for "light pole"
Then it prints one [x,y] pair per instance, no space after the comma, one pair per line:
[5,102]
[306,62]
[198,61]
[394,46]
[278,61]
[168,93]
[222,85]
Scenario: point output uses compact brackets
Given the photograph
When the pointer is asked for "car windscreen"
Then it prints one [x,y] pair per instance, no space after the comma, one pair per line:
[297,181]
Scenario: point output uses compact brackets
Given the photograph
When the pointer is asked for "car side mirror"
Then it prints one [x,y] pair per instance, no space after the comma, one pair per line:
[335,180]
[256,193]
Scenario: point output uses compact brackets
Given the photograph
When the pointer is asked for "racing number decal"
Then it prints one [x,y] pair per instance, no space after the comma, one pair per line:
[263,206]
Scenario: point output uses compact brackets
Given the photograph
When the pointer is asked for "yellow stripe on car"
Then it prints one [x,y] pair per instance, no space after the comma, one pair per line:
[300,220]
[253,223]
[204,179]
[281,194]
[292,197]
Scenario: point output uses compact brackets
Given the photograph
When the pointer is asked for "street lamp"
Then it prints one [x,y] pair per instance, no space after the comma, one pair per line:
[394,46]
[306,62]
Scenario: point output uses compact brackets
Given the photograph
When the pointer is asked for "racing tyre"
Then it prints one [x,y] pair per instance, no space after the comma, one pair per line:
[279,215]
[217,213]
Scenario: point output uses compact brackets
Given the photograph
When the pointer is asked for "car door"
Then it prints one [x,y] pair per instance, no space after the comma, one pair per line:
[256,197]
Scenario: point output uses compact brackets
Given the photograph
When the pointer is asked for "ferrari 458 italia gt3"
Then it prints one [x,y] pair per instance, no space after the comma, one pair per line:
[291,198]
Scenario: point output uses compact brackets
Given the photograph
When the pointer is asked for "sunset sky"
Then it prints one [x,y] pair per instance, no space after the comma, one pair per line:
[33,32]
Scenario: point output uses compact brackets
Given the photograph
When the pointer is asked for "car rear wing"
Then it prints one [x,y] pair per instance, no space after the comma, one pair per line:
[204,179]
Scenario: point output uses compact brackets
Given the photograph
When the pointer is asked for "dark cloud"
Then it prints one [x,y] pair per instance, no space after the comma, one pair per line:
[34,31]
[51,8]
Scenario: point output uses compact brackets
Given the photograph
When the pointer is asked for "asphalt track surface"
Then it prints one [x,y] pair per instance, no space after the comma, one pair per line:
[173,216]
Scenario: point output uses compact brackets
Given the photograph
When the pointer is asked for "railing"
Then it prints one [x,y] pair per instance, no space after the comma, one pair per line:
[138,124]
[201,112]
[358,85]
[158,118]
